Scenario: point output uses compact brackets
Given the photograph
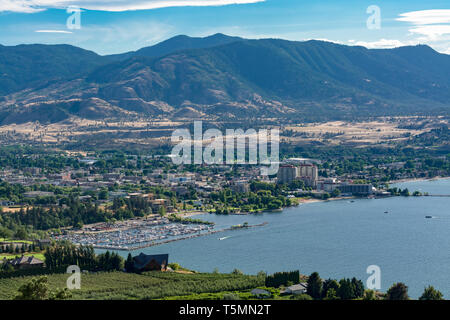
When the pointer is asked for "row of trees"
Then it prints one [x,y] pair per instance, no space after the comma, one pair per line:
[65,254]
[282,279]
[344,289]
[399,291]
[20,248]
[330,289]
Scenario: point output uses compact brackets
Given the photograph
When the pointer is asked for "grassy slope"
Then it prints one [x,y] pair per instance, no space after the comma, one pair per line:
[15,241]
[151,285]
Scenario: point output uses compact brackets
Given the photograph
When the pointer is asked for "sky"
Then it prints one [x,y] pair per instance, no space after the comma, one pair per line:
[116,26]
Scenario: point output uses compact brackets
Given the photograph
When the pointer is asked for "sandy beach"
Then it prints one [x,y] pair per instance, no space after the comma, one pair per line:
[417,180]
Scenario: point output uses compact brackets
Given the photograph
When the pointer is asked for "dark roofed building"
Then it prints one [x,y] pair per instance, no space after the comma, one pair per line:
[156,262]
[25,262]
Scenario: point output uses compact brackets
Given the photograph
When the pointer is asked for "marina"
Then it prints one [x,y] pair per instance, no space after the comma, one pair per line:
[133,234]
[142,233]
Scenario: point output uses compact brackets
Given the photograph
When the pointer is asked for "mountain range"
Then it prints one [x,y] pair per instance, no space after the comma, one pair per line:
[221,77]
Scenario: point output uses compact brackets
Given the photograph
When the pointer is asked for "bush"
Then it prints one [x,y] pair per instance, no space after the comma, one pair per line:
[430,293]
[231,296]
[302,296]
[398,291]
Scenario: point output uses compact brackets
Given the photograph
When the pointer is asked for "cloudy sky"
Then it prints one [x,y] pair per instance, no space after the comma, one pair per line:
[114,26]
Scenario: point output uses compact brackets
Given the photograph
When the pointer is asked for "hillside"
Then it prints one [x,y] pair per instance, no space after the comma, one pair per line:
[223,77]
[149,285]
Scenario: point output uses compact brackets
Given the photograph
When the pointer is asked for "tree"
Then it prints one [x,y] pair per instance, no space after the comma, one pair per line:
[237,272]
[346,290]
[430,293]
[329,284]
[398,291]
[314,288]
[331,295]
[7,267]
[78,225]
[302,296]
[405,193]
[370,295]
[358,288]
[35,289]
[103,194]
[231,296]
[60,294]
[129,263]
[162,211]
[21,233]
[336,193]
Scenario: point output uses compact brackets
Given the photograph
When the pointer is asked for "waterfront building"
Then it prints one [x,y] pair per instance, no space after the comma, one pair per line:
[306,172]
[309,174]
[328,185]
[287,174]
[356,189]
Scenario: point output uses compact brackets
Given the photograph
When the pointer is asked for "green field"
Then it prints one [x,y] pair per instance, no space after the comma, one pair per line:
[150,285]
[39,256]
[15,241]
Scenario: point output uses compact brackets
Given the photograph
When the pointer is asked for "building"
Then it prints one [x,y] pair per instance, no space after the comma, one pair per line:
[296,161]
[5,203]
[241,186]
[356,189]
[261,293]
[181,190]
[24,262]
[328,185]
[156,262]
[306,172]
[309,174]
[296,289]
[157,204]
[287,174]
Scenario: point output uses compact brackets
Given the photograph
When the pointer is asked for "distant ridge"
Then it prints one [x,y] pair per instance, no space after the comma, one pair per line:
[222,77]
[177,43]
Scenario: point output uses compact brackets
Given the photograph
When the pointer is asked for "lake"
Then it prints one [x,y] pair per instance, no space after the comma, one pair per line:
[336,238]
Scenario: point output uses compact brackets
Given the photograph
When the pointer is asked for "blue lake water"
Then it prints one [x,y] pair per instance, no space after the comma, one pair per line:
[337,239]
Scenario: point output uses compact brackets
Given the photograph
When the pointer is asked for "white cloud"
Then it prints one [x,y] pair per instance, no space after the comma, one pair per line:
[431,27]
[433,32]
[18,6]
[426,17]
[29,6]
[323,39]
[52,31]
[381,44]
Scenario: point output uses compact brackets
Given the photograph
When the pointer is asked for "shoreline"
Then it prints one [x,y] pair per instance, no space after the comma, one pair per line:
[417,180]
[300,202]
